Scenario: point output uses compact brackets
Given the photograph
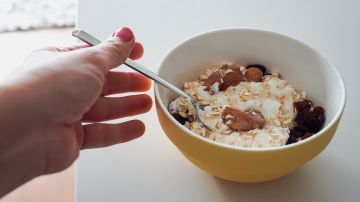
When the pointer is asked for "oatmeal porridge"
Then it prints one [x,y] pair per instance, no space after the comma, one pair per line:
[247,107]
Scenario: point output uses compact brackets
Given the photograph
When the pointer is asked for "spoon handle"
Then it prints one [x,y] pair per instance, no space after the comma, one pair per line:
[87,38]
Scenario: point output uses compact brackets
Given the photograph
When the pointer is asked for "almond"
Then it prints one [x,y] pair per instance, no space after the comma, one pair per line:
[258,118]
[237,119]
[213,78]
[232,67]
[254,74]
[261,67]
[232,78]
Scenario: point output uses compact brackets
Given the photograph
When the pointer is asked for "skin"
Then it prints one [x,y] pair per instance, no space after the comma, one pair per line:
[44,105]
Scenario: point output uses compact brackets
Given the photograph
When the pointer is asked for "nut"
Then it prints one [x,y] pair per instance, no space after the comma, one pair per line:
[261,67]
[254,74]
[233,67]
[238,120]
[213,78]
[258,118]
[232,78]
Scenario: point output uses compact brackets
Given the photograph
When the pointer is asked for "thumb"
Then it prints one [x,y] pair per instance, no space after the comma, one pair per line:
[116,49]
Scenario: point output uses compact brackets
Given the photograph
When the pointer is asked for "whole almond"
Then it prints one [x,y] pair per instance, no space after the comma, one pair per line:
[214,77]
[261,67]
[258,118]
[232,78]
[237,119]
[254,74]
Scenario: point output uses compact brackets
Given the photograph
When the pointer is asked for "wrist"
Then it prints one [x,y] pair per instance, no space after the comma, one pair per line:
[21,157]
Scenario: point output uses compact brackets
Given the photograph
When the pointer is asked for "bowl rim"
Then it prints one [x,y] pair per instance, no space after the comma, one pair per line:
[237,148]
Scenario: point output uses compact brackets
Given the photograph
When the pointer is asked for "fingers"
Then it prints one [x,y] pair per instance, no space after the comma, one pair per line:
[109,54]
[102,135]
[122,82]
[137,52]
[112,108]
[115,50]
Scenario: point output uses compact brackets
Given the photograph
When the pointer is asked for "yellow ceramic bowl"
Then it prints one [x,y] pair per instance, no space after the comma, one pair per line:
[296,62]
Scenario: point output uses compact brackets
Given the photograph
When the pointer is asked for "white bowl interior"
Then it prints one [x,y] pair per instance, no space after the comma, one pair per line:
[296,62]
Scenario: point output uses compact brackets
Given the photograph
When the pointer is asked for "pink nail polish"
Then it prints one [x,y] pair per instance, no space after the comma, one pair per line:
[125,34]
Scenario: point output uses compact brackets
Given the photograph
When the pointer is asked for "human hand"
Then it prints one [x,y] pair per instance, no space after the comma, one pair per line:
[44,105]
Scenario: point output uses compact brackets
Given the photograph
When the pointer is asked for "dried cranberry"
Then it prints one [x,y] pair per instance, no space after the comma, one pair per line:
[291,140]
[301,128]
[261,67]
[306,135]
[315,119]
[303,105]
[309,118]
[319,110]
[295,133]
[180,119]
[301,117]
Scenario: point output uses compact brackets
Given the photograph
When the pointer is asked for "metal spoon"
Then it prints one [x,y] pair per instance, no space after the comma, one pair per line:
[87,38]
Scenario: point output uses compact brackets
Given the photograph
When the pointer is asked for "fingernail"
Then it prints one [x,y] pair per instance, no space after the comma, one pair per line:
[125,34]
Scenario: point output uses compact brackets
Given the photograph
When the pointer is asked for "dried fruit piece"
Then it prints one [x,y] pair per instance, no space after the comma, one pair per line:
[254,74]
[232,78]
[291,140]
[309,118]
[303,105]
[213,78]
[306,135]
[237,119]
[315,119]
[301,128]
[298,133]
[180,119]
[295,133]
[258,118]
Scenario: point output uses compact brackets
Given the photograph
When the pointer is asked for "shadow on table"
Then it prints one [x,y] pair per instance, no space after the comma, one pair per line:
[320,180]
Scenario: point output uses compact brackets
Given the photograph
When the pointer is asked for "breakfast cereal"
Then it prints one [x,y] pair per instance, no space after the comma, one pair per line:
[247,107]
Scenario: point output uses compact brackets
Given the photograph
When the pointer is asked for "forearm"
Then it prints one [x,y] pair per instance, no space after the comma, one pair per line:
[21,159]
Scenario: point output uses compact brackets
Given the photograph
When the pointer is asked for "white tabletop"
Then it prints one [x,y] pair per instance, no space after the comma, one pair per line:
[152,169]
